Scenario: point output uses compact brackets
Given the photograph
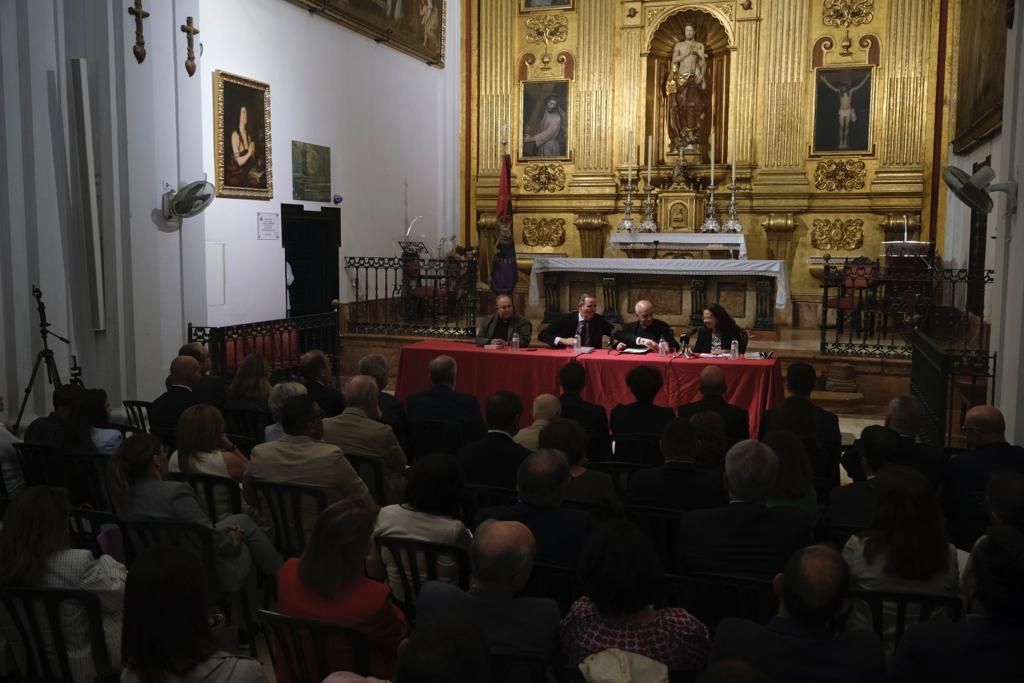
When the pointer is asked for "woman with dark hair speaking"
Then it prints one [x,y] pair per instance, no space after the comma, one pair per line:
[719,332]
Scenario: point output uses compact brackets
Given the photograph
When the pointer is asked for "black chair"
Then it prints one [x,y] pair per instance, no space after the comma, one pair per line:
[37,615]
[86,526]
[244,443]
[221,496]
[435,436]
[293,509]
[638,448]
[370,469]
[308,650]
[138,414]
[416,562]
[553,581]
[509,668]
[663,527]
[713,597]
[620,472]
[41,465]
[927,604]
[86,476]
[477,497]
[247,423]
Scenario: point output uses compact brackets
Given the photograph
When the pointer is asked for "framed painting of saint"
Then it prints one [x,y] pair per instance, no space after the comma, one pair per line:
[242,141]
[531,5]
[842,110]
[544,122]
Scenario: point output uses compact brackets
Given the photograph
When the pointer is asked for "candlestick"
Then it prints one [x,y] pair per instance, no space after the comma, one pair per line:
[629,160]
[503,133]
[650,154]
[711,153]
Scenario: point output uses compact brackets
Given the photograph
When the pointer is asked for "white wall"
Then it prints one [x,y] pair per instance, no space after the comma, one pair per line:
[388,118]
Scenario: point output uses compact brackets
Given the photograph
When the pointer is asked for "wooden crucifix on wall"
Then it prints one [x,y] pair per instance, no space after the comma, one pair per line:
[190,56]
[140,40]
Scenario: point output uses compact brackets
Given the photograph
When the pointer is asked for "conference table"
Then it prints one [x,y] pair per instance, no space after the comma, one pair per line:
[754,385]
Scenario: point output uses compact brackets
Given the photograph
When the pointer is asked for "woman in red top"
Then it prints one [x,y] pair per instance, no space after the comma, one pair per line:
[327,584]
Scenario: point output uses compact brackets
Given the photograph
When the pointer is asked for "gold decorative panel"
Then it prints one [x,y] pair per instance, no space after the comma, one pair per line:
[838,234]
[847,13]
[547,30]
[834,175]
[544,178]
[543,232]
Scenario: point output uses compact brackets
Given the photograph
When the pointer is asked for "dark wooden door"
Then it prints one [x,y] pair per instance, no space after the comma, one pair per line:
[311,240]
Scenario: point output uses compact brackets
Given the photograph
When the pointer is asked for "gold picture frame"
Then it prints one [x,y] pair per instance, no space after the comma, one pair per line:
[543,5]
[242,139]
[534,120]
[842,115]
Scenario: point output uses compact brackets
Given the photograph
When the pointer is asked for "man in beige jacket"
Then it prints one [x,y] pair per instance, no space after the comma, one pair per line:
[546,408]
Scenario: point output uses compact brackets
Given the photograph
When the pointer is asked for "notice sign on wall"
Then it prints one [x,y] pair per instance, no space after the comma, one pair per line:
[268,226]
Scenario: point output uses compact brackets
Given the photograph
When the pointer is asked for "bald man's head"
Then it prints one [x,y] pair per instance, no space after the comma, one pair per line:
[361,391]
[813,585]
[644,312]
[502,555]
[712,381]
[546,407]
[185,370]
[984,425]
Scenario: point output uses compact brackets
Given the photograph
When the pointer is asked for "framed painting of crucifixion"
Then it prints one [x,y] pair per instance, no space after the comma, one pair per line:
[842,110]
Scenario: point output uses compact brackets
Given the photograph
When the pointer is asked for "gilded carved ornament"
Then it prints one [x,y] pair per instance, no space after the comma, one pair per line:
[840,175]
[847,13]
[838,234]
[543,178]
[548,30]
[543,232]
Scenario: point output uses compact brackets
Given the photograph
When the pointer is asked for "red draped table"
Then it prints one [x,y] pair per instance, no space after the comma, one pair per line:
[754,385]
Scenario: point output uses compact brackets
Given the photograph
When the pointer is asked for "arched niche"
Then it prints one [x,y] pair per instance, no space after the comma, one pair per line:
[710,31]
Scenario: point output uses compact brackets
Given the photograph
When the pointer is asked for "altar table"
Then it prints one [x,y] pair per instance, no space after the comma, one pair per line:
[734,242]
[754,385]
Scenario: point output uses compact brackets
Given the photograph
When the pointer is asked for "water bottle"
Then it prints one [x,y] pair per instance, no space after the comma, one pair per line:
[663,348]
[734,350]
[578,346]
[515,341]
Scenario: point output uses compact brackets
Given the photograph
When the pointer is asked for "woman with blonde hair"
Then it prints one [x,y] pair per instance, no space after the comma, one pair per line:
[203,448]
[250,388]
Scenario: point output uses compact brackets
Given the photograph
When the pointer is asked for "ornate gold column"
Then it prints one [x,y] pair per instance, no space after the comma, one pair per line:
[487,239]
[629,80]
[592,152]
[498,91]
[743,93]
[779,228]
[783,139]
[591,227]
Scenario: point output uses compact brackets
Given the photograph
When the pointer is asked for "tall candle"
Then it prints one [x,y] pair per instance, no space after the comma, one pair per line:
[732,150]
[711,153]
[629,160]
[650,155]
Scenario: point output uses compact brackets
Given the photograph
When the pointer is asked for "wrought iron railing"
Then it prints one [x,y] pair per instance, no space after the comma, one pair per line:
[280,342]
[411,295]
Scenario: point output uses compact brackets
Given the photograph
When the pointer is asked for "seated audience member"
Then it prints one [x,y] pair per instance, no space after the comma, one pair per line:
[713,388]
[250,388]
[1004,496]
[712,443]
[327,584]
[502,554]
[299,457]
[211,389]
[357,431]
[853,505]
[280,393]
[498,328]
[986,644]
[585,322]
[906,418]
[904,550]
[728,671]
[546,409]
[392,411]
[36,552]
[679,483]
[86,430]
[642,417]
[453,654]
[593,418]
[315,368]
[968,472]
[585,485]
[797,645]
[442,402]
[203,448]
[49,430]
[719,332]
[793,486]
[494,459]
[430,512]
[140,468]
[618,575]
[559,531]
[746,537]
[168,407]
[168,633]
[646,332]
[10,467]
[797,416]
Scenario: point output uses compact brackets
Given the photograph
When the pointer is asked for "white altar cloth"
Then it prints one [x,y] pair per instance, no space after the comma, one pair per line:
[709,241]
[646,266]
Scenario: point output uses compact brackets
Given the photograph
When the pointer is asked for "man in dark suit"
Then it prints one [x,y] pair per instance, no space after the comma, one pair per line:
[585,322]
[968,473]
[211,389]
[49,430]
[494,459]
[540,483]
[797,645]
[168,407]
[499,327]
[592,417]
[745,537]
[646,332]
[906,418]
[442,402]
[642,417]
[502,554]
[315,367]
[713,387]
[392,411]
[678,483]
[853,506]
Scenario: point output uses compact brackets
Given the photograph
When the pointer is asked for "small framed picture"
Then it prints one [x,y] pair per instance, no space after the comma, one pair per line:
[534,5]
[842,110]
[242,140]
[544,122]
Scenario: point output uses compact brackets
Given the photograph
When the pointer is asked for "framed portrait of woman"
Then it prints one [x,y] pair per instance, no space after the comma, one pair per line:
[241,121]
[544,122]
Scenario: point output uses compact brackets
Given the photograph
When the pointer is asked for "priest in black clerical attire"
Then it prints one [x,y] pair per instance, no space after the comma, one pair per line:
[585,322]
[646,332]
[498,328]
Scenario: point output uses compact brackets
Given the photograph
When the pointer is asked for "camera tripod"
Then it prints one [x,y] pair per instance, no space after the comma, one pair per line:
[45,357]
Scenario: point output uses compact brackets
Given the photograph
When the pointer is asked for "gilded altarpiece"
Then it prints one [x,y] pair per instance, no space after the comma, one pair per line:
[767,64]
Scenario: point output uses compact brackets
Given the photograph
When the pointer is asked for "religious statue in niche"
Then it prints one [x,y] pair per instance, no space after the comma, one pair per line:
[842,110]
[686,90]
[544,119]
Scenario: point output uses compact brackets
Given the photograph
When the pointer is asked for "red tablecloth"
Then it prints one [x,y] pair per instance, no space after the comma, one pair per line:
[753,384]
